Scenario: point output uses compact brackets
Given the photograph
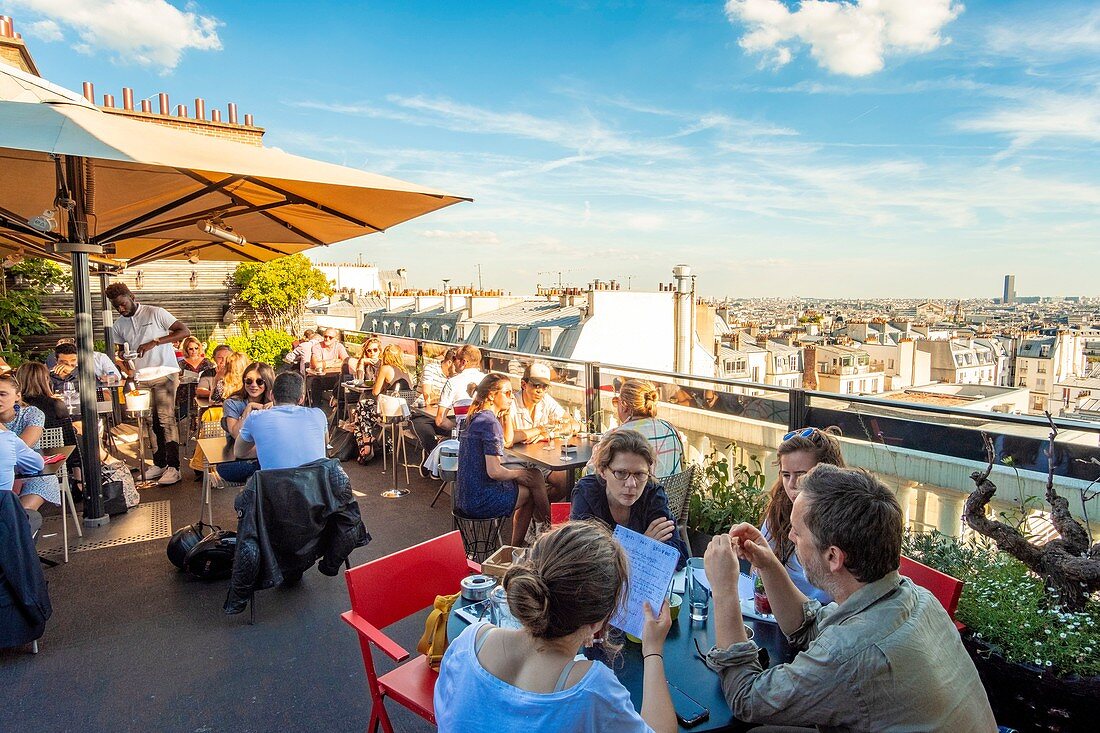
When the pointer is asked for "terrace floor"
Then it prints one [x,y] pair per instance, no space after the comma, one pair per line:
[134,645]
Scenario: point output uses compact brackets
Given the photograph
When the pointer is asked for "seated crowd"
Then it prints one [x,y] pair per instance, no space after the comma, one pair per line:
[874,651]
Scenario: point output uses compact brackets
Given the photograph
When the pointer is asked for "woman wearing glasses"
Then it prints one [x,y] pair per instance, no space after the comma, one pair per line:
[799,452]
[366,369]
[623,491]
[255,394]
[485,488]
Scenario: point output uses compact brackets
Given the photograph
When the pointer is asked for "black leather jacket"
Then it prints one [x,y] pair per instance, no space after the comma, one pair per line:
[24,602]
[288,518]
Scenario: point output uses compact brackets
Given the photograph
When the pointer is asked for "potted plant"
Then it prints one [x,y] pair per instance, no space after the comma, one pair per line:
[1032,616]
[725,495]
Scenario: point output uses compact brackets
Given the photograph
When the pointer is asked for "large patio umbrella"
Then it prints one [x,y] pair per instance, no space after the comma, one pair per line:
[77,183]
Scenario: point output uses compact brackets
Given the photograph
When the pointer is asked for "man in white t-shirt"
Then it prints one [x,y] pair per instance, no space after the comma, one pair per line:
[149,332]
[467,367]
[537,416]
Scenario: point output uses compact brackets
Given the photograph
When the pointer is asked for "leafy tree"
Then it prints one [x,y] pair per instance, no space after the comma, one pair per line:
[279,290]
[21,305]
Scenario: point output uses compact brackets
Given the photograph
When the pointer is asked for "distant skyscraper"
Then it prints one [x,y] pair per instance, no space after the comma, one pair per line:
[1010,289]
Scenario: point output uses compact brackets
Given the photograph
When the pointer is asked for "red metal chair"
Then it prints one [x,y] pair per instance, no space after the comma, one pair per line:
[387,590]
[559,512]
[945,588]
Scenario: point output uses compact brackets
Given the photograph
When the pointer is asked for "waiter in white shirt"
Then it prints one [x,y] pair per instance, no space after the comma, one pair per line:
[150,331]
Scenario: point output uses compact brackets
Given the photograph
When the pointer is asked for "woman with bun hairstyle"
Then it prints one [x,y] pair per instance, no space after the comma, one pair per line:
[799,452]
[637,407]
[529,679]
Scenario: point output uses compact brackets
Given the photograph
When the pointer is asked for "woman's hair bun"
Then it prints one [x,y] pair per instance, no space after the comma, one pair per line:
[528,598]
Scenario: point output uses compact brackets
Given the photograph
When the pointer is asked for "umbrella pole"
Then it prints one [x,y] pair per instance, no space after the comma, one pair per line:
[94,516]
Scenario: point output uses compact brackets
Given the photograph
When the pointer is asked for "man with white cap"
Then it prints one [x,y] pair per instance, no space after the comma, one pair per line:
[536,416]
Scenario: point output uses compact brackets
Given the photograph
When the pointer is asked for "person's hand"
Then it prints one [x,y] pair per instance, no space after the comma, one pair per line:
[146,347]
[660,529]
[753,547]
[655,628]
[62,370]
[720,561]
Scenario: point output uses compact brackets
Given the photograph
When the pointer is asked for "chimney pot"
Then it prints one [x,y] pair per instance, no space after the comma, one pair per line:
[109,100]
[5,26]
[200,108]
[162,100]
[232,113]
[181,110]
[147,106]
[248,120]
[89,91]
[216,115]
[128,98]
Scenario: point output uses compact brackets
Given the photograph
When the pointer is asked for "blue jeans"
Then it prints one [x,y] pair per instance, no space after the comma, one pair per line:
[238,472]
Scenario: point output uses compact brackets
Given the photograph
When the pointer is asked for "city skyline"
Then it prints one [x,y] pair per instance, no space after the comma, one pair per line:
[940,147]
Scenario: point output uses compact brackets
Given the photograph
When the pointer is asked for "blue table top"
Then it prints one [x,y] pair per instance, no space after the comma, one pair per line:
[683,667]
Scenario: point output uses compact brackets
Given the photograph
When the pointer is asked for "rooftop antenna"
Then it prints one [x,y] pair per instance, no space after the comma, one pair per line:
[479,287]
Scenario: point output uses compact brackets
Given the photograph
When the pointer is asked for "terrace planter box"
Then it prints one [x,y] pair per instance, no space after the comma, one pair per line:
[1028,698]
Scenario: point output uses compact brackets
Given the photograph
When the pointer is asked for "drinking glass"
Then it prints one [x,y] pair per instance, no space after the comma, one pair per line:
[698,594]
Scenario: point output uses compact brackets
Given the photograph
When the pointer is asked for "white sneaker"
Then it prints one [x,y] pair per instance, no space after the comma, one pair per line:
[152,472]
[169,476]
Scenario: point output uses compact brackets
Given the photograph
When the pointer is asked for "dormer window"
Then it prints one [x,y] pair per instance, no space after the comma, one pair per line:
[513,338]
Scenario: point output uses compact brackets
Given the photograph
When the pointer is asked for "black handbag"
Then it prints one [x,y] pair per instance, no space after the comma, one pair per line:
[114,498]
[343,446]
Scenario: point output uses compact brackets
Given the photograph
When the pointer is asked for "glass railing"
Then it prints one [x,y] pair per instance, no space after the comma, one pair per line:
[925,452]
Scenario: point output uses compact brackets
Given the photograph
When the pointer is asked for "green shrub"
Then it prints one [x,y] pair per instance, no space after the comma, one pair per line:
[726,495]
[268,345]
[1008,607]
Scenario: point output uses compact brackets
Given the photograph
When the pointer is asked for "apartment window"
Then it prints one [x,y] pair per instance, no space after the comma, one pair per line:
[513,338]
[424,329]
[374,324]
[1040,383]
[484,335]
[444,330]
[460,332]
[891,363]
[823,367]
[412,330]
[546,341]
[1042,368]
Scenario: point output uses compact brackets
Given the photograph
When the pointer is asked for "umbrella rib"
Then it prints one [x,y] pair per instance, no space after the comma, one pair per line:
[294,198]
[208,187]
[155,251]
[294,229]
[263,211]
[180,221]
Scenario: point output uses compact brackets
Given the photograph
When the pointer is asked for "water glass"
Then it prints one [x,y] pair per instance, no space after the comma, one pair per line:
[698,594]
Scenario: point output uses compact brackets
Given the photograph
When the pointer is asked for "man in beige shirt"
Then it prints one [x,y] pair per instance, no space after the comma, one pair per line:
[884,656]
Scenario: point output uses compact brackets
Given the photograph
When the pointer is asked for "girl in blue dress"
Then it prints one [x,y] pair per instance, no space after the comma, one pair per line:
[27,422]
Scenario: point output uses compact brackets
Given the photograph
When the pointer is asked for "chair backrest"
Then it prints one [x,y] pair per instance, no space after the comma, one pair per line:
[945,588]
[210,429]
[559,512]
[398,585]
[678,488]
[52,438]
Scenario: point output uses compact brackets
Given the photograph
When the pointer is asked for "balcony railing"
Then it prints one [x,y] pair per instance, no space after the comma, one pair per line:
[925,452]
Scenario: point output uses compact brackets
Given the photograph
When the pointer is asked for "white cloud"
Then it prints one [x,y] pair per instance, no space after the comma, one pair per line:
[146,32]
[850,38]
[1045,39]
[1028,116]
[45,30]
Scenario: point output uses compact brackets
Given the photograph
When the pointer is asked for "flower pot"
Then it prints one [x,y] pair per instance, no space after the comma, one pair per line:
[1029,698]
[698,542]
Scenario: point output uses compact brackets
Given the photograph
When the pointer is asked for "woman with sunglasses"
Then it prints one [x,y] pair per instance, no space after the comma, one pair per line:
[623,491]
[391,376]
[27,422]
[799,452]
[255,394]
[366,368]
[485,488]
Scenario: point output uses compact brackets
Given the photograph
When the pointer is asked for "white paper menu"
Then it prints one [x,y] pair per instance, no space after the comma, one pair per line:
[652,565]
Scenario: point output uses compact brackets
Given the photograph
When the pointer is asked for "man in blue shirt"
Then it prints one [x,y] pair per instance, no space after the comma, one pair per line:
[285,435]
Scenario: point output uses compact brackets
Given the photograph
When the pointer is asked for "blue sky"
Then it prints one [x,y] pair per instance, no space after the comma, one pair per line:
[892,148]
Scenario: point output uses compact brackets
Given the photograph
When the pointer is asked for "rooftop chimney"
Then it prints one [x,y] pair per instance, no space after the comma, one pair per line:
[162,100]
[232,113]
[128,98]
[89,91]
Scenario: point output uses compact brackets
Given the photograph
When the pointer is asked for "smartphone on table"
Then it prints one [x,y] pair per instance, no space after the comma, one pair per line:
[689,712]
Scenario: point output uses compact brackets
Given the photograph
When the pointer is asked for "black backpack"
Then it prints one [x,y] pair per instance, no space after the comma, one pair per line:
[212,558]
[185,538]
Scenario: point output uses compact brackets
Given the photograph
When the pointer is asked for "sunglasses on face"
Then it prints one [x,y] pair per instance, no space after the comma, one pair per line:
[640,477]
[803,433]
[372,351]
[535,385]
[250,381]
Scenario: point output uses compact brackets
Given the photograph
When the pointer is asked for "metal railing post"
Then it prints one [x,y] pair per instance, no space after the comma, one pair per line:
[796,414]
[592,395]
